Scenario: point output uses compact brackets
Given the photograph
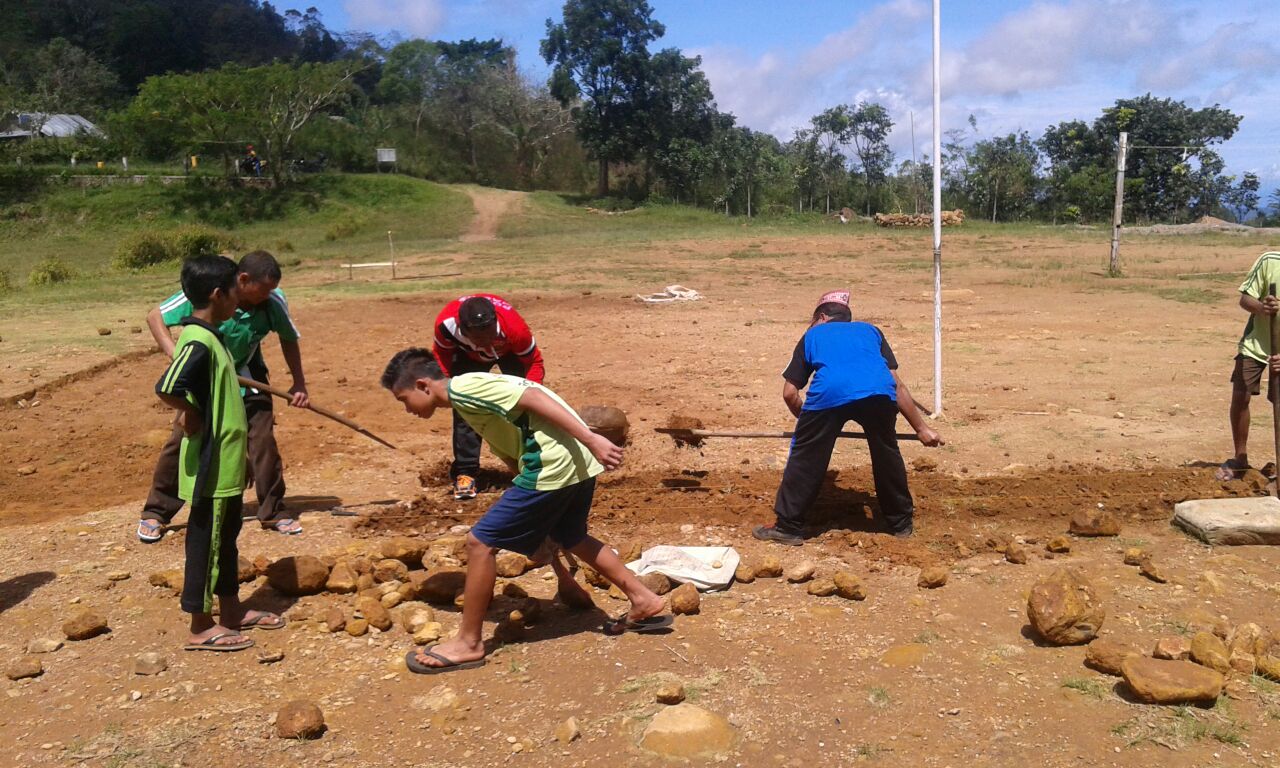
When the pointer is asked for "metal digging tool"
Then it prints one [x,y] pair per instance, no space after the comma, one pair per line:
[343,420]
[1272,380]
[695,437]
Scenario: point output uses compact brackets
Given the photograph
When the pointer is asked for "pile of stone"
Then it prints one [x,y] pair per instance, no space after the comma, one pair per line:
[949,219]
[1064,609]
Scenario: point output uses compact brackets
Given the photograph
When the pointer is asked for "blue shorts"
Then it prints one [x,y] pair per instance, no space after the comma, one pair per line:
[522,519]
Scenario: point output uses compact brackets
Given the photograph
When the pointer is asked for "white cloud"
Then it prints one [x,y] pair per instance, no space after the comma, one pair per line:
[411,17]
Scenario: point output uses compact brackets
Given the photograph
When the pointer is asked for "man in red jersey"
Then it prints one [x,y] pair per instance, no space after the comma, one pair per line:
[472,333]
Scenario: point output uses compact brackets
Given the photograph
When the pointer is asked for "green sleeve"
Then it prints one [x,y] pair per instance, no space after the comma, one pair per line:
[281,320]
[175,309]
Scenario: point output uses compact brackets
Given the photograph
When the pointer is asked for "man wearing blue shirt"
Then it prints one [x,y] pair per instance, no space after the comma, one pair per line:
[854,378]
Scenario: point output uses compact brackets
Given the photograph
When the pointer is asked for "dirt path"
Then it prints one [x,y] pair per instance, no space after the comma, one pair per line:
[492,206]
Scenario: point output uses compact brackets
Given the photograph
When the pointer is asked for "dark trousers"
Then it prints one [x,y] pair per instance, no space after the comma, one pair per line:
[466,443]
[212,557]
[811,448]
[265,467]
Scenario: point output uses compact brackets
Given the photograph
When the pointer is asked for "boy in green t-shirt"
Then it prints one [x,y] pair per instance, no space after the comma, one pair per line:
[1254,356]
[200,384]
[261,310]
[556,458]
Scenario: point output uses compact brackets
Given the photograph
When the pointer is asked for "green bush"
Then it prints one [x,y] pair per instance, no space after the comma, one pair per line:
[191,240]
[150,247]
[142,249]
[344,228]
[6,282]
[50,270]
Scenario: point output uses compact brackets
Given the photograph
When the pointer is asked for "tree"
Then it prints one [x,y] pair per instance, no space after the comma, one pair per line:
[599,54]
[69,80]
[678,105]
[1169,184]
[1243,198]
[869,126]
[285,98]
[832,130]
[526,117]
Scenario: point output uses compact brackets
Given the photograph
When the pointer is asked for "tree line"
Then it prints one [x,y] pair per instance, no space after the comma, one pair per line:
[617,117]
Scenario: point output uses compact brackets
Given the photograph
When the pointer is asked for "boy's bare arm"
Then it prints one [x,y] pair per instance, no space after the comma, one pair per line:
[791,396]
[1268,305]
[189,417]
[601,447]
[907,407]
[293,359]
[160,332]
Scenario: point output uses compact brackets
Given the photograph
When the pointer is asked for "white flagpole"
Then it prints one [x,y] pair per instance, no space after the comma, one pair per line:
[937,208]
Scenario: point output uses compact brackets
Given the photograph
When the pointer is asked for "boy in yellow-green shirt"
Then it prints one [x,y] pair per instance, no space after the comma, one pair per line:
[557,459]
[1254,356]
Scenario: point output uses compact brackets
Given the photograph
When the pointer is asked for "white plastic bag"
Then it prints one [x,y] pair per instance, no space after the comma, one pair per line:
[694,565]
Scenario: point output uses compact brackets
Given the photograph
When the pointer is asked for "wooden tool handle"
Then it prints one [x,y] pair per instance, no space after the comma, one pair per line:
[1272,381]
[328,414]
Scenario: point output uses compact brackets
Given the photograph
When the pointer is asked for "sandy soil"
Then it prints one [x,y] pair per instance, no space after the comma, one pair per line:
[1063,391]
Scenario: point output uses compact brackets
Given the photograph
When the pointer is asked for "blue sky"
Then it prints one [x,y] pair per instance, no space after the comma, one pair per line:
[1014,64]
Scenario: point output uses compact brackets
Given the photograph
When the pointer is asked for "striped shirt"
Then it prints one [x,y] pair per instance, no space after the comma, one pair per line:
[244,331]
[513,338]
[1255,342]
[548,457]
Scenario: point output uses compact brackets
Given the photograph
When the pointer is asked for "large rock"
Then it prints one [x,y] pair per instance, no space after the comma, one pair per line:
[1172,648]
[849,586]
[1157,681]
[1207,649]
[149,663]
[769,568]
[441,587]
[374,612]
[43,645]
[1064,609]
[1251,520]
[1091,521]
[1249,638]
[801,572]
[85,624]
[685,599]
[688,731]
[821,587]
[512,564]
[406,550]
[1107,656]
[608,421]
[245,571]
[342,579]
[745,573]
[1058,544]
[335,619]
[299,719]
[415,616]
[299,575]
[658,583]
[1269,667]
[932,577]
[388,570]
[171,580]
[24,667]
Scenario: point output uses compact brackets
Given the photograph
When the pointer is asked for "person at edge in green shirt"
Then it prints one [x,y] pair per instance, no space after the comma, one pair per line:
[262,309]
[1254,355]
[556,458]
[200,384]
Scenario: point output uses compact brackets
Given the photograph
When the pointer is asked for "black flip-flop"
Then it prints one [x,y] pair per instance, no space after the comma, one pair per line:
[212,644]
[415,666]
[624,624]
[257,623]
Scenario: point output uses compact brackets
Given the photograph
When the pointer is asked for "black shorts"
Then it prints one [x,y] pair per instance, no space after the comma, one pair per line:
[1248,375]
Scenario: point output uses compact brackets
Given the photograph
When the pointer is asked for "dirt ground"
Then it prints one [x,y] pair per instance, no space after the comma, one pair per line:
[1062,391]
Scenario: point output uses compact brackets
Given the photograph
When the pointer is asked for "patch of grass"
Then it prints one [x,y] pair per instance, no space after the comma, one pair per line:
[50,271]
[926,637]
[1177,626]
[1181,726]
[1093,687]
[1191,295]
[878,697]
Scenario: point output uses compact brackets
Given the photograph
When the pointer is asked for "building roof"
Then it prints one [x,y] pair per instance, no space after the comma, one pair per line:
[53,126]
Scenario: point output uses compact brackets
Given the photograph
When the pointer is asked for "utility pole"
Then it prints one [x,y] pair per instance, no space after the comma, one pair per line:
[1113,270]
